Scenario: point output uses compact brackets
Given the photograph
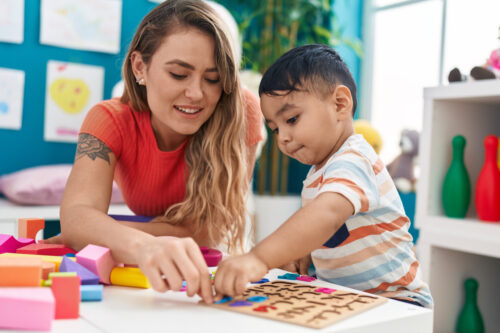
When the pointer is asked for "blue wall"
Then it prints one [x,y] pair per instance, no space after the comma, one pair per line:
[26,147]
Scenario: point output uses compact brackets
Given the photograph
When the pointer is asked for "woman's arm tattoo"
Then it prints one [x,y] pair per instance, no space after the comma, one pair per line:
[89,145]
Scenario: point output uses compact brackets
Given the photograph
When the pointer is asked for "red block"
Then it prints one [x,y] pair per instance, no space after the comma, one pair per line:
[28,228]
[66,290]
[46,249]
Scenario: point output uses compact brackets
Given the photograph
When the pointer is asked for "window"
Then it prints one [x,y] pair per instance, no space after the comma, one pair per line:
[410,45]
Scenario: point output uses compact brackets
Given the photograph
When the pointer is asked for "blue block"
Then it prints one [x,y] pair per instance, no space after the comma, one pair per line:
[91,292]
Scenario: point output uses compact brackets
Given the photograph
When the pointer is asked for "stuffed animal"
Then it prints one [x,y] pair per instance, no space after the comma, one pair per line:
[370,134]
[489,70]
[402,168]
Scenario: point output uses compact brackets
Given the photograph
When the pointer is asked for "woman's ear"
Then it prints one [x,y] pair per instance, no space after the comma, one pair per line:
[138,65]
[342,99]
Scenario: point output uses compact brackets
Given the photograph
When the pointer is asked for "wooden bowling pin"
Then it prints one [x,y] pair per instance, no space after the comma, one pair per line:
[470,319]
[488,183]
[456,185]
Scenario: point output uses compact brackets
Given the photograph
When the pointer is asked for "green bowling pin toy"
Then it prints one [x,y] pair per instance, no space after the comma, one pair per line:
[470,320]
[456,186]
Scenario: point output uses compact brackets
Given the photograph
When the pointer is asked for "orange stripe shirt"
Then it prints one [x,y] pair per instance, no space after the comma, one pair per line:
[150,180]
[373,250]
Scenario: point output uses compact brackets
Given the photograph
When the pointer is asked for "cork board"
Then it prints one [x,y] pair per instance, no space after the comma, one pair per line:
[300,304]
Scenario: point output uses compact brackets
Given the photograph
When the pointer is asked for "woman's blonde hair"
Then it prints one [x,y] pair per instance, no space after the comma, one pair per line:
[216,155]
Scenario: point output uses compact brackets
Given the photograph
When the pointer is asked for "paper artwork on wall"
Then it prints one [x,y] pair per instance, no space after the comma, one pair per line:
[72,89]
[82,24]
[11,98]
[12,21]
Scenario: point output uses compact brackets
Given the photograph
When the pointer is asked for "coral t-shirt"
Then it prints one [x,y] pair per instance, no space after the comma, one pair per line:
[151,180]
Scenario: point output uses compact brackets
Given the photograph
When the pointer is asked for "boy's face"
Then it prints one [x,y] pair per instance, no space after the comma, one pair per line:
[308,127]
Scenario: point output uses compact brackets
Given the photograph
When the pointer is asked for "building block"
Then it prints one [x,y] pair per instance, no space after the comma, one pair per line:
[55,259]
[29,227]
[20,272]
[212,256]
[86,276]
[61,274]
[26,308]
[47,268]
[66,290]
[45,249]
[129,277]
[98,260]
[9,243]
[91,292]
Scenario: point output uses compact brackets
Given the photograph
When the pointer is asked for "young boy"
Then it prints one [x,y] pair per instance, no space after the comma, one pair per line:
[352,221]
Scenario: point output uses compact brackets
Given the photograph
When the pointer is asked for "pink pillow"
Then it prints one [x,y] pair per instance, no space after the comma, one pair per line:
[42,185]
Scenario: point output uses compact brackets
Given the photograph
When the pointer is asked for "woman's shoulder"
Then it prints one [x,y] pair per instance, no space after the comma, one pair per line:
[116,110]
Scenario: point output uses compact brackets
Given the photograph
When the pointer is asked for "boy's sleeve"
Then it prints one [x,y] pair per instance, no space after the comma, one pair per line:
[352,175]
[253,115]
[99,122]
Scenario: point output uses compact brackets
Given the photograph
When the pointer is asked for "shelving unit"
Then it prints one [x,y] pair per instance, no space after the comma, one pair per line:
[451,250]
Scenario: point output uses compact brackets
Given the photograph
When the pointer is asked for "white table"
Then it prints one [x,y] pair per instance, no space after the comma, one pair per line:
[140,311]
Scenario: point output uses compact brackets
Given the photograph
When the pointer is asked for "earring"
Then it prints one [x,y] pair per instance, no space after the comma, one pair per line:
[140,81]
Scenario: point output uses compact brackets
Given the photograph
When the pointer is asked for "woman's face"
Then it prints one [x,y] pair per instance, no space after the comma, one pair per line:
[183,85]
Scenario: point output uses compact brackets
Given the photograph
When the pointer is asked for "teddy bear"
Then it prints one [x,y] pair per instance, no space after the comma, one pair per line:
[402,168]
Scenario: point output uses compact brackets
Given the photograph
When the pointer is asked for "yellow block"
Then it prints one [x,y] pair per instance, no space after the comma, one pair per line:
[129,277]
[55,259]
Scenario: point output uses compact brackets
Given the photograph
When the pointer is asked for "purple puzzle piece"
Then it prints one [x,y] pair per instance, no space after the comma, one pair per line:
[86,276]
[9,244]
[240,303]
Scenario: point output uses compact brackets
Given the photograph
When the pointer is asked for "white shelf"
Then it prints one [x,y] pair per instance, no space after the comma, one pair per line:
[451,250]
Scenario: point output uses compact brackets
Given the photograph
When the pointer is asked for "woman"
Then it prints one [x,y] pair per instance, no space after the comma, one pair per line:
[180,143]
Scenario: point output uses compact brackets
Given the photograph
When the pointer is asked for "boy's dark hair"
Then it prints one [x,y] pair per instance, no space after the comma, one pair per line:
[313,68]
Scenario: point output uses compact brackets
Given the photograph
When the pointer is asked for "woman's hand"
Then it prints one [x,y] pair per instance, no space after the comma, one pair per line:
[233,274]
[167,261]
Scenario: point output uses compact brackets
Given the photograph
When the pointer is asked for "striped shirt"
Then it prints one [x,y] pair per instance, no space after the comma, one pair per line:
[373,250]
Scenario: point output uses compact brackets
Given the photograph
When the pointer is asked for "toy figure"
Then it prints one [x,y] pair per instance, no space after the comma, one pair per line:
[489,70]
[401,168]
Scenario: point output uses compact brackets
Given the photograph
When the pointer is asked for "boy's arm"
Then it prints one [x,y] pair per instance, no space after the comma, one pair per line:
[308,229]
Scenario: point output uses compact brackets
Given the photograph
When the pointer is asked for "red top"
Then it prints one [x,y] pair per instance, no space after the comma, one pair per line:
[151,180]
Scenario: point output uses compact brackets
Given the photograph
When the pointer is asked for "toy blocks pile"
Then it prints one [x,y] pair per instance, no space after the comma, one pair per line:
[42,282]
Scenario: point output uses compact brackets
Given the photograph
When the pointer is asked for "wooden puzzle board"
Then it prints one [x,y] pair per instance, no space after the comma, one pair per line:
[300,304]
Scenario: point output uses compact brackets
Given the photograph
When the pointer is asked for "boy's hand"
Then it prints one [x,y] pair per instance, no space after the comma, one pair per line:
[233,274]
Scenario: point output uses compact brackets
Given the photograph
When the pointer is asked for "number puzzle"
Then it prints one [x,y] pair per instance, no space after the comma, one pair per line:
[300,304]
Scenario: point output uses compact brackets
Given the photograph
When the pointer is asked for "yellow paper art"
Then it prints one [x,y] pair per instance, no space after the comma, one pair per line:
[71,95]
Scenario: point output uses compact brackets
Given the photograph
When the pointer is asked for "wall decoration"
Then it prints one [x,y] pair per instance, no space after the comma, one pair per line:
[72,89]
[11,98]
[82,24]
[12,21]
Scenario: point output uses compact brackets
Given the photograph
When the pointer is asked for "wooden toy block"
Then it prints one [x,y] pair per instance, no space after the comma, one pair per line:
[61,274]
[9,243]
[86,276]
[98,260]
[20,272]
[129,277]
[300,304]
[47,268]
[66,290]
[45,249]
[91,292]
[28,308]
[212,256]
[29,227]
[55,259]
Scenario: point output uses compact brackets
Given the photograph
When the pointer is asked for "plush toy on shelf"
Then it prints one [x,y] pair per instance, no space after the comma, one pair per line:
[489,70]
[370,134]
[402,168]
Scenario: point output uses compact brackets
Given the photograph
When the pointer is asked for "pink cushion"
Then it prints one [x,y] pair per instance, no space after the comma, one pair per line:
[42,185]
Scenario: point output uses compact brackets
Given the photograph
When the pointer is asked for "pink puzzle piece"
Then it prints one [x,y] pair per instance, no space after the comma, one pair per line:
[325,290]
[9,244]
[306,278]
[26,308]
[98,260]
